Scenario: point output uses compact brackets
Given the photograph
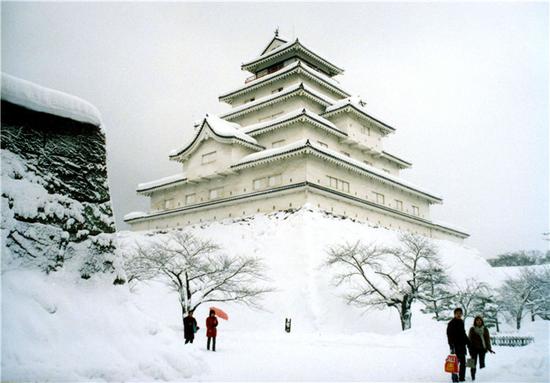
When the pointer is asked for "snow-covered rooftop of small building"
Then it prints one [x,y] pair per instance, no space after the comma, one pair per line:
[362,165]
[41,99]
[222,128]
[288,116]
[273,96]
[161,182]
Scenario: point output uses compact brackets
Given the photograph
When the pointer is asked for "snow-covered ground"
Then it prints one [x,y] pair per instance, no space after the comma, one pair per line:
[62,328]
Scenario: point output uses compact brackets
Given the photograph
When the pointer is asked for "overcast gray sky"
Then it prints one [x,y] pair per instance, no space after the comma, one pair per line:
[465,84]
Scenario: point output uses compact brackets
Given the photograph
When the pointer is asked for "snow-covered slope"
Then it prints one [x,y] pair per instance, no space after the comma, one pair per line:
[60,327]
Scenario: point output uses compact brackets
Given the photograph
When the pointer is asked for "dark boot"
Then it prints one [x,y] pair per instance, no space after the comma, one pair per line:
[473,371]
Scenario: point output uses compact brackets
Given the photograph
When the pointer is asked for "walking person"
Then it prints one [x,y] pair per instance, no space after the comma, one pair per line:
[211,331]
[458,340]
[480,343]
[189,327]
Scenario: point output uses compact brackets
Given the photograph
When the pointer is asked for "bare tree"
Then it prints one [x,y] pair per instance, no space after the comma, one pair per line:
[197,270]
[384,277]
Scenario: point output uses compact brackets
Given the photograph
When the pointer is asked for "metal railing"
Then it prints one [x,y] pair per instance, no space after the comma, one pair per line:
[511,341]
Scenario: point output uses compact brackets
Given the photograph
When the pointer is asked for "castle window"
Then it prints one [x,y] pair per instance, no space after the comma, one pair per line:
[322,144]
[386,170]
[277,144]
[367,162]
[379,198]
[277,90]
[208,158]
[345,186]
[190,198]
[259,183]
[415,210]
[346,154]
[274,180]
[399,205]
[215,193]
[168,204]
[336,183]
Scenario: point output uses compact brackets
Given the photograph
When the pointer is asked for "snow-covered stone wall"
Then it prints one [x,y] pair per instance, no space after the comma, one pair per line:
[55,193]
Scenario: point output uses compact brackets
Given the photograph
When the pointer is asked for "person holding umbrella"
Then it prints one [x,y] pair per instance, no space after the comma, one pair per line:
[211,331]
[211,324]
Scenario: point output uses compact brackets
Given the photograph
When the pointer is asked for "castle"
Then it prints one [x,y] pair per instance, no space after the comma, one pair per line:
[292,137]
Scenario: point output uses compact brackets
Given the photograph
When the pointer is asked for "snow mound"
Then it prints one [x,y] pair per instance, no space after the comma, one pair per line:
[60,327]
[35,97]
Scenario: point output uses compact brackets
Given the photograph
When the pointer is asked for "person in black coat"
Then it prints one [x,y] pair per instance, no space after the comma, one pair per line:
[189,327]
[458,340]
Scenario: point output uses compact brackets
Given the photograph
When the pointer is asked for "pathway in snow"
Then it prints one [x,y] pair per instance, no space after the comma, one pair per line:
[363,357]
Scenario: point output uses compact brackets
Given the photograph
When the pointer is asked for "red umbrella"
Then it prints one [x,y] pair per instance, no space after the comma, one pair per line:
[219,313]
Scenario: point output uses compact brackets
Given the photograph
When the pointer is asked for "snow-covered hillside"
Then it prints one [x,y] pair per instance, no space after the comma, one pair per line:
[61,327]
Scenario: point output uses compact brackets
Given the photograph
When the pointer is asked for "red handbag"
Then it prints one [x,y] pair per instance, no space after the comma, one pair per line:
[451,364]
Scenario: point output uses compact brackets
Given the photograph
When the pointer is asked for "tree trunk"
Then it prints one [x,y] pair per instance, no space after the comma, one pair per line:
[496,323]
[518,320]
[182,315]
[405,313]
[436,311]
[532,315]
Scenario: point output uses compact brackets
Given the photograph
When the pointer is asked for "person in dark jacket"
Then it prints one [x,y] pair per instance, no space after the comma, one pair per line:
[189,327]
[458,340]
[480,343]
[211,331]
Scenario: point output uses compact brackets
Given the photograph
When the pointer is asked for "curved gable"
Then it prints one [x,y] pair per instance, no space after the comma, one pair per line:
[209,129]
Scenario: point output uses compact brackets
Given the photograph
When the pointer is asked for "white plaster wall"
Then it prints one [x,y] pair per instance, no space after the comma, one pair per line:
[286,106]
[364,187]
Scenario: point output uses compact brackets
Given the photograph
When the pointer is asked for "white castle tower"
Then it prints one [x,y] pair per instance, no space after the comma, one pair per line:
[293,136]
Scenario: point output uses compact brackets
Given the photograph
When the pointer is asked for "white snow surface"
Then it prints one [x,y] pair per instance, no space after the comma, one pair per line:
[41,99]
[62,328]
[161,181]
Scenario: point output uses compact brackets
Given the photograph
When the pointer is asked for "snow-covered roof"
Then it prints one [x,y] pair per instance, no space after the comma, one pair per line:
[41,99]
[275,38]
[342,157]
[134,215]
[250,106]
[332,83]
[450,226]
[221,128]
[359,105]
[353,100]
[283,50]
[161,182]
[228,129]
[394,158]
[289,117]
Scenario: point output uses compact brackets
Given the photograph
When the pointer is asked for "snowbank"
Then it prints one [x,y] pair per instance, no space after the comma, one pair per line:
[60,327]
[35,97]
